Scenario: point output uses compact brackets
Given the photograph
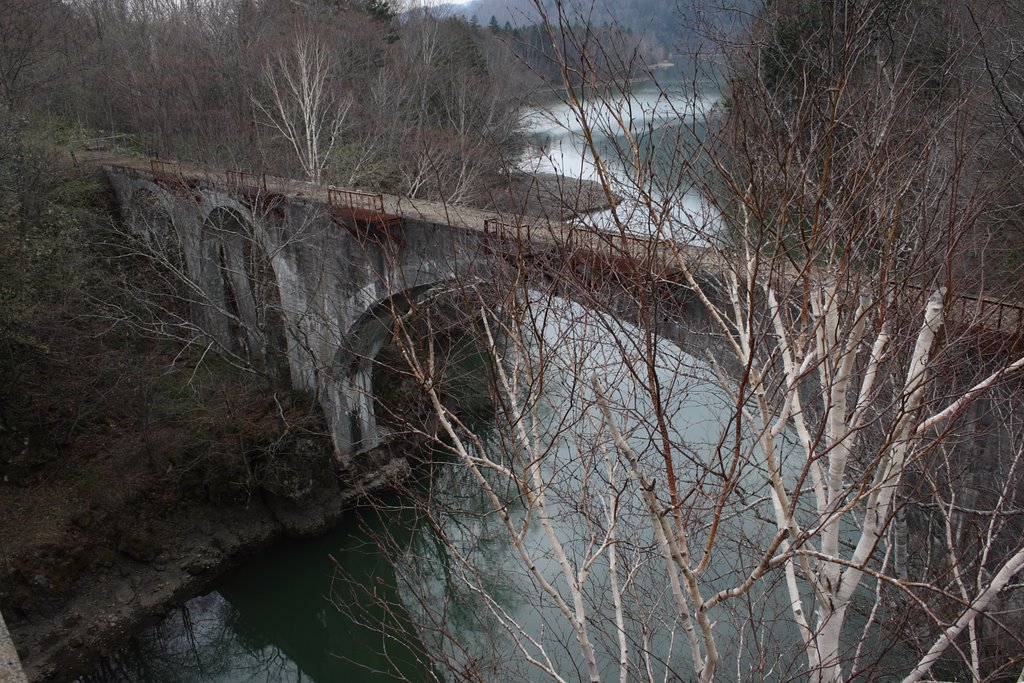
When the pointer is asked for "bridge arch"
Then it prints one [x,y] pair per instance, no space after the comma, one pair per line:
[226,302]
[159,250]
[355,428]
[351,404]
[149,218]
[211,202]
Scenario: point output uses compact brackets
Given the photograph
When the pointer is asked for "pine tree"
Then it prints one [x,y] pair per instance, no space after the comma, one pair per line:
[380,10]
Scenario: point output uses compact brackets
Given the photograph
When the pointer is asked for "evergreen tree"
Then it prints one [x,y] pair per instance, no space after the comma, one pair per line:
[380,10]
[493,25]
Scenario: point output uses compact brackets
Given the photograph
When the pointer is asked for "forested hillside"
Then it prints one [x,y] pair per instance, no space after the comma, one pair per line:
[419,106]
[905,71]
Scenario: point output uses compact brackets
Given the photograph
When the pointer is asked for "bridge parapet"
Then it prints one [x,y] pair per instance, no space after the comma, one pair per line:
[252,189]
[363,215]
[995,314]
[170,175]
[380,217]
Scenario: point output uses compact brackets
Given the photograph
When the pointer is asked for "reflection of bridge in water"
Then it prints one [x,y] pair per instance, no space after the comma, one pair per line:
[309,272]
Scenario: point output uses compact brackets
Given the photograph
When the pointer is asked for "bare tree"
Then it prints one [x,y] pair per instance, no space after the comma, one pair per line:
[32,35]
[303,102]
[663,508]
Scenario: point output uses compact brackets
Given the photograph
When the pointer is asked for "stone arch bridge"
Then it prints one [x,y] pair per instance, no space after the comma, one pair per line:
[304,275]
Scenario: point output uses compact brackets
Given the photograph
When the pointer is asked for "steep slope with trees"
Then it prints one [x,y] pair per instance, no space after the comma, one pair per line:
[666,27]
[120,441]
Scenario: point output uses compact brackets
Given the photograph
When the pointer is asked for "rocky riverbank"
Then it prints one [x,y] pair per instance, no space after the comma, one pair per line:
[72,602]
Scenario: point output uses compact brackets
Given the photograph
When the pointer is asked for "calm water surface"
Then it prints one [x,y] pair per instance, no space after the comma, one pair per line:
[666,120]
[277,618]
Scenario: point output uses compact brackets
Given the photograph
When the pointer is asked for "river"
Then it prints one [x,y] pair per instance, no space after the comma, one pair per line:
[649,141]
[272,619]
[288,614]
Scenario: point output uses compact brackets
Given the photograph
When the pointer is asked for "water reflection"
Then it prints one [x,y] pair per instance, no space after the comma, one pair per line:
[497,614]
[275,620]
[199,642]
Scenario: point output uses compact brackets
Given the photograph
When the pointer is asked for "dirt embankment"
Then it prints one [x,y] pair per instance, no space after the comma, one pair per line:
[548,196]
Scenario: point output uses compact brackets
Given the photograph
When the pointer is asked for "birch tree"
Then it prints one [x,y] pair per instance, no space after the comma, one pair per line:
[666,508]
[303,103]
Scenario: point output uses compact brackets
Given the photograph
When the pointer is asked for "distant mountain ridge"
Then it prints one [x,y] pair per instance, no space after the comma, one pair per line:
[671,24]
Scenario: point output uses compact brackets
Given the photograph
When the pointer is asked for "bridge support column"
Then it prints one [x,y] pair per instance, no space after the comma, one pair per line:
[352,415]
[240,290]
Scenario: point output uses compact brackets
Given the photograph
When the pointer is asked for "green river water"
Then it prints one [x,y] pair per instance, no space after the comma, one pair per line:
[273,619]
